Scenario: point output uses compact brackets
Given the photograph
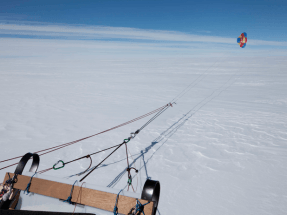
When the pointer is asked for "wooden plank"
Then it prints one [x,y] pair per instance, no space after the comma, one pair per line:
[85,196]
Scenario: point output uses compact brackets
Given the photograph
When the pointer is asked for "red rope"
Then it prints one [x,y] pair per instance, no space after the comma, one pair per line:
[45,170]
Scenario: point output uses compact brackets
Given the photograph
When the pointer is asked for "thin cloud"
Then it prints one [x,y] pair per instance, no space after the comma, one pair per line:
[49,41]
[112,33]
[99,32]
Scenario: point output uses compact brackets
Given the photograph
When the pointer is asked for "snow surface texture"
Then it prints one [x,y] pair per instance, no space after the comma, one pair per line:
[220,150]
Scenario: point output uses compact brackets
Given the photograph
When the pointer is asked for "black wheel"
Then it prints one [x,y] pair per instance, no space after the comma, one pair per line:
[151,191]
[22,163]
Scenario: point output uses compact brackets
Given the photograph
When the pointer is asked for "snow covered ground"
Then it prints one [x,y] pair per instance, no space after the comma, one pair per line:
[222,149]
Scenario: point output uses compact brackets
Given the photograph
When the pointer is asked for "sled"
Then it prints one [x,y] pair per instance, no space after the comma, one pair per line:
[47,195]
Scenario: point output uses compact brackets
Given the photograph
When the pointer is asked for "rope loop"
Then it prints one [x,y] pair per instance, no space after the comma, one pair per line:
[60,161]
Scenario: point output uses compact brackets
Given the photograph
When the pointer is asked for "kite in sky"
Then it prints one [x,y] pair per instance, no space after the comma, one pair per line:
[242,40]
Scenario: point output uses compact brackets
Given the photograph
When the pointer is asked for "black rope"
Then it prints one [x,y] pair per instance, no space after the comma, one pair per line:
[155,116]
[86,156]
[128,139]
[133,134]
[102,161]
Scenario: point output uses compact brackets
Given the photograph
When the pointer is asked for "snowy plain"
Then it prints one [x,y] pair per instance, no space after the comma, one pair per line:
[221,149]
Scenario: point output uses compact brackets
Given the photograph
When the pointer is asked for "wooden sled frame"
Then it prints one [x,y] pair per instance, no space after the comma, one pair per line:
[80,195]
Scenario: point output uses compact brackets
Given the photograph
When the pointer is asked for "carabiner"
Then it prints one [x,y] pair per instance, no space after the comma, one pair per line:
[60,161]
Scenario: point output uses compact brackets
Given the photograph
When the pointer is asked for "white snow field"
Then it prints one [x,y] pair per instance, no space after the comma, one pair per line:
[221,150]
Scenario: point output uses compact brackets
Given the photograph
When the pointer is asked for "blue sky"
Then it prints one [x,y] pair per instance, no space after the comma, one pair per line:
[174,23]
[265,19]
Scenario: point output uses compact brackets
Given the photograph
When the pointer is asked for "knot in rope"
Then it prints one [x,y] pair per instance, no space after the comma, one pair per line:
[140,207]
[130,180]
[127,140]
[29,184]
[133,134]
[129,169]
[12,180]
[69,199]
